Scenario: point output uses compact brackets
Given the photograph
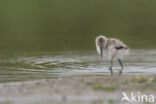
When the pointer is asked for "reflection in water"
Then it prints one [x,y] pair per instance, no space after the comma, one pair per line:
[30,66]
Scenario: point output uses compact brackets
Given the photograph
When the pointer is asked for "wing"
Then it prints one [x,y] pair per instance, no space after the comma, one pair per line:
[117,47]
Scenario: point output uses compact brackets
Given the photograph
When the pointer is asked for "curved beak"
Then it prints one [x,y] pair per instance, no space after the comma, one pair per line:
[101,52]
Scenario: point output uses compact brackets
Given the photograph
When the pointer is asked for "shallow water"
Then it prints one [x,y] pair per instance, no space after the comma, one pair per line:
[18,66]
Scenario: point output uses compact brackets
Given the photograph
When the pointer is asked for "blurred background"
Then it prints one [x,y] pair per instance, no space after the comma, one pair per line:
[73,24]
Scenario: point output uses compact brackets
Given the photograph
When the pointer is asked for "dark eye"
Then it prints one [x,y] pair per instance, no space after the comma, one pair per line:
[101,40]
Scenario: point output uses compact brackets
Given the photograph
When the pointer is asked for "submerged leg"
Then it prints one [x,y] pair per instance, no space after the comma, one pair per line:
[121,64]
[110,67]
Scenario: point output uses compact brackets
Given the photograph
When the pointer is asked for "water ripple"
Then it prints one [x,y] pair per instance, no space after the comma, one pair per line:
[52,65]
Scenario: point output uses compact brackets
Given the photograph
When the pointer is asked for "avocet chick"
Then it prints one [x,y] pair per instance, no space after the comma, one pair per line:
[111,48]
